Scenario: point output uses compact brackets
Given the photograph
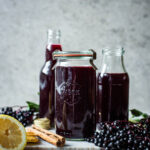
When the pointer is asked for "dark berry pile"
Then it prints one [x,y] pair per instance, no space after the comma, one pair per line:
[123,135]
[24,116]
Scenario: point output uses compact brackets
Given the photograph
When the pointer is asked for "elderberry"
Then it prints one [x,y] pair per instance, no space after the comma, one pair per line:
[123,135]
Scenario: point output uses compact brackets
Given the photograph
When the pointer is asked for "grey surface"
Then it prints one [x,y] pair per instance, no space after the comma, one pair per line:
[70,145]
[84,24]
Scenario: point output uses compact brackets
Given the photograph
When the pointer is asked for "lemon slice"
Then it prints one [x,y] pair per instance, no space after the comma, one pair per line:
[12,134]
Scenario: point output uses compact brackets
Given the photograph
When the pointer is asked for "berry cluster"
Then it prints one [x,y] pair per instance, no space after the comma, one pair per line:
[24,116]
[123,135]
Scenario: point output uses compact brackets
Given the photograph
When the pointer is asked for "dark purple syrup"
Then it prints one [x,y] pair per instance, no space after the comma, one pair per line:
[112,96]
[47,78]
[75,101]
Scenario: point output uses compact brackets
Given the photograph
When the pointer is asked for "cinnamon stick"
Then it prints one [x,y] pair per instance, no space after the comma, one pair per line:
[62,139]
[51,139]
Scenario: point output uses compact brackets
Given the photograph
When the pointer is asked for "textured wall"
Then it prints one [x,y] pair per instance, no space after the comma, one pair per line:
[84,24]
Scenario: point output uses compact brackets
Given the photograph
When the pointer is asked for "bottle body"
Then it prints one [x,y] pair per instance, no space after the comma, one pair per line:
[113,93]
[75,98]
[112,89]
[47,78]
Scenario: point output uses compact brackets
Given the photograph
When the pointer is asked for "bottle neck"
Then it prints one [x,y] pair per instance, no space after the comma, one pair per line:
[50,49]
[53,40]
[113,64]
[53,43]
[53,37]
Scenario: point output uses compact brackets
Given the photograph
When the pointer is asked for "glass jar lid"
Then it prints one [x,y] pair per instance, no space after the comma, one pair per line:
[73,54]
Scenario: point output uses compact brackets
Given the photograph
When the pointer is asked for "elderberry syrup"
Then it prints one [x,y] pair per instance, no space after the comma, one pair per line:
[112,87]
[75,78]
[47,108]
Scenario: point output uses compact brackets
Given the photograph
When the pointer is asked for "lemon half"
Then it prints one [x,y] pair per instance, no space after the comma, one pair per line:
[12,134]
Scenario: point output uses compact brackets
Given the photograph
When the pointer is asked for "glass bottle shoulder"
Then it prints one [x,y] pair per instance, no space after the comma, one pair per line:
[112,77]
[47,67]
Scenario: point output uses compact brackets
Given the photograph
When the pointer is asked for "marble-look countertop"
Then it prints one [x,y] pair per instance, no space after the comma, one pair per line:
[70,145]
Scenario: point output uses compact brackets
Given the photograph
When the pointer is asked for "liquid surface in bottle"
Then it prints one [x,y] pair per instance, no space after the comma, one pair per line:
[47,78]
[50,49]
[75,101]
[112,96]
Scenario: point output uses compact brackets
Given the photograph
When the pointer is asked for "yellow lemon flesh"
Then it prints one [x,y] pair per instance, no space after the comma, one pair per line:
[12,134]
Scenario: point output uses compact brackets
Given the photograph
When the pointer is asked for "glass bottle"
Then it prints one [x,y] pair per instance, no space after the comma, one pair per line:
[112,87]
[47,78]
[75,78]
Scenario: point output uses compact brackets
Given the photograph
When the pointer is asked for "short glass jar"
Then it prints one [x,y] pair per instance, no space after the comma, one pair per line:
[75,77]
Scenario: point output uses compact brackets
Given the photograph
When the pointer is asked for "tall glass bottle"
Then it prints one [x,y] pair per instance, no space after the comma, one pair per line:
[112,87]
[47,108]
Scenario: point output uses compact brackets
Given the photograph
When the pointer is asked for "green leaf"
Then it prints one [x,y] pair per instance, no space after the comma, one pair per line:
[134,120]
[145,115]
[32,105]
[136,112]
[137,116]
